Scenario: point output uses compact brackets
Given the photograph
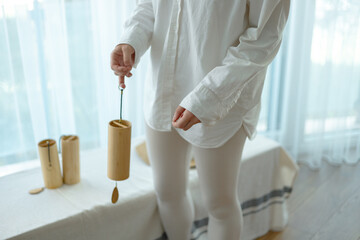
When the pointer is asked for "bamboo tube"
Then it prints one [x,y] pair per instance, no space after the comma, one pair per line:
[119,146]
[50,164]
[70,159]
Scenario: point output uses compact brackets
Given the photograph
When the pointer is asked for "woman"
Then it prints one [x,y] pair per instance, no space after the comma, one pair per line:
[209,60]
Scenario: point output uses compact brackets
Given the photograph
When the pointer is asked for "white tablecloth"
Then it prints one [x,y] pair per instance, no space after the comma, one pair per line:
[84,211]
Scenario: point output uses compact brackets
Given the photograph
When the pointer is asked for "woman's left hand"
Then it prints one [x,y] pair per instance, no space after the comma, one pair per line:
[184,119]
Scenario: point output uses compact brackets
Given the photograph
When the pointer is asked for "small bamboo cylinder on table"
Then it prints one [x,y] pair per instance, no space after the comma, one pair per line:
[119,145]
[50,164]
[70,159]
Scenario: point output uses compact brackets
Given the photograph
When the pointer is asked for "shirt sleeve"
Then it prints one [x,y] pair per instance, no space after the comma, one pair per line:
[223,86]
[138,29]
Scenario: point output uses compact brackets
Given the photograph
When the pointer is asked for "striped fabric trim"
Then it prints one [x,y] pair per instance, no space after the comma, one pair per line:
[248,207]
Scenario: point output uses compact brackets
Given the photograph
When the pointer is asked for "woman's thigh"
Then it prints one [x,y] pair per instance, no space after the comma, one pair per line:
[218,169]
[169,156]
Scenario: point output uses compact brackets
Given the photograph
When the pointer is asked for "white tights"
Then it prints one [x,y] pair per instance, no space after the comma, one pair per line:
[218,170]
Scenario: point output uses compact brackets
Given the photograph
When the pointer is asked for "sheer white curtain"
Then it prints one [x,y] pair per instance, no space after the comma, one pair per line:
[55,78]
[55,75]
[312,96]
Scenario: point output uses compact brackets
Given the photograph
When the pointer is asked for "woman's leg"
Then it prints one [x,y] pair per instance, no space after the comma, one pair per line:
[169,156]
[218,171]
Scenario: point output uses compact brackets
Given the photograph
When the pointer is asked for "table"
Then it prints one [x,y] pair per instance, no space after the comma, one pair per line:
[84,211]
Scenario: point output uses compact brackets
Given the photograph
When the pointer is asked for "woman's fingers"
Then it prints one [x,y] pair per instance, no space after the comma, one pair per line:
[124,71]
[184,119]
[127,75]
[116,58]
[122,60]
[129,55]
[194,120]
[127,52]
[121,82]
[179,110]
[188,124]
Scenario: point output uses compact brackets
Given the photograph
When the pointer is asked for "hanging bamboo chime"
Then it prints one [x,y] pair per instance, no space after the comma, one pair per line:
[119,146]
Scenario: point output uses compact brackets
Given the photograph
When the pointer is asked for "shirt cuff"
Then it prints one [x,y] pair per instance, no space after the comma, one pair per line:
[204,104]
[133,37]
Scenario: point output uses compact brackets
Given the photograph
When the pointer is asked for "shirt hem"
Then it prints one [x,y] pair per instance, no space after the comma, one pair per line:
[154,128]
[248,135]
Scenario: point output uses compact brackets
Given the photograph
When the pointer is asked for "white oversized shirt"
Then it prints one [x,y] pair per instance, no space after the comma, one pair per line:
[208,56]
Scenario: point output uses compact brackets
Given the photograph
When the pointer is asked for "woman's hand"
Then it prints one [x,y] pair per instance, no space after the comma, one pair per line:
[184,119]
[122,60]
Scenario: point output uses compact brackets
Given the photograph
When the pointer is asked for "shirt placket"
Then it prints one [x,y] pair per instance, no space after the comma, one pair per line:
[171,52]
